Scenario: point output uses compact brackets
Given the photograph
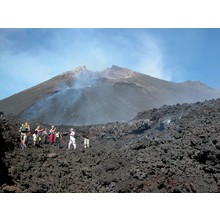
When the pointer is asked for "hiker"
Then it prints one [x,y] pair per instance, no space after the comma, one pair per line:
[86,141]
[1,115]
[28,133]
[72,139]
[38,131]
[45,136]
[24,130]
[34,137]
[52,134]
[58,137]
[28,138]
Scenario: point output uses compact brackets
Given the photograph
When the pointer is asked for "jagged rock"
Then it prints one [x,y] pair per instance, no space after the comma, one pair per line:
[86,172]
[217,146]
[52,155]
[209,169]
[11,189]
[146,161]
[123,187]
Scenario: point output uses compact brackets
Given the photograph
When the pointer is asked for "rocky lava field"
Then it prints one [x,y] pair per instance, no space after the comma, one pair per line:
[170,149]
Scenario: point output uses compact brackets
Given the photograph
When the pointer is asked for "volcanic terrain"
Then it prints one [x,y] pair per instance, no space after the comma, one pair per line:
[169,149]
[83,97]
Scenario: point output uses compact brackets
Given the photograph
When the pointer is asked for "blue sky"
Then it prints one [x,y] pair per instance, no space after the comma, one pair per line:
[31,56]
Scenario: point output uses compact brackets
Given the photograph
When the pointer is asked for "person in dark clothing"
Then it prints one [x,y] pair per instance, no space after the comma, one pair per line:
[58,137]
[45,136]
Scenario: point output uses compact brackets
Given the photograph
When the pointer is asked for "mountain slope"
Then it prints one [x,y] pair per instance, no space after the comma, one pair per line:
[82,96]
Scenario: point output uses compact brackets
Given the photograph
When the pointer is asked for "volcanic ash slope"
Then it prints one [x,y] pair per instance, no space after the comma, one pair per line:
[83,97]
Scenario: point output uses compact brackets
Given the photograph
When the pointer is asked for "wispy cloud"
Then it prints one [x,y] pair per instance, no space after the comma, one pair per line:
[152,60]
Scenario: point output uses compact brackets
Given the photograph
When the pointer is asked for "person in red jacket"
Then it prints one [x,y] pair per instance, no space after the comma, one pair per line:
[52,134]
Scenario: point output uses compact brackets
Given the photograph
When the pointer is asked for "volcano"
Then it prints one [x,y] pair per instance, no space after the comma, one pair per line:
[83,97]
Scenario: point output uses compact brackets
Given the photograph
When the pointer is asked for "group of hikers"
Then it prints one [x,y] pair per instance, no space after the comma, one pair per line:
[43,136]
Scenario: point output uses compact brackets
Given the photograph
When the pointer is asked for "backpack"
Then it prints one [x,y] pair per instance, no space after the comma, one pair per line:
[23,128]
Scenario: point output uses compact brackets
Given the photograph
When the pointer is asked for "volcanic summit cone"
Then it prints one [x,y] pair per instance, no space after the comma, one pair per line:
[81,96]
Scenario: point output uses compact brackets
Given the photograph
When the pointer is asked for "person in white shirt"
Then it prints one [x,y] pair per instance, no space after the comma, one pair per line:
[86,141]
[72,140]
